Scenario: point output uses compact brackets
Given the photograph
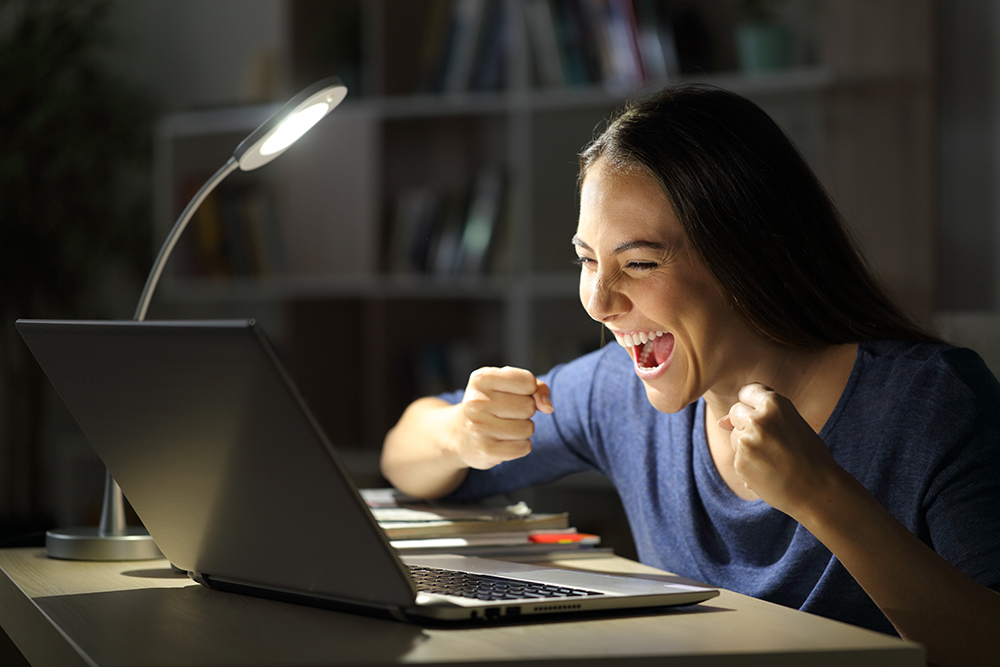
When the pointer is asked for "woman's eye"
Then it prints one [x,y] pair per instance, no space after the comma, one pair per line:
[583,261]
[641,266]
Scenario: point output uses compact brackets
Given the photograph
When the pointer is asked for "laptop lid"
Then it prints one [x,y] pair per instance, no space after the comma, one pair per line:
[203,430]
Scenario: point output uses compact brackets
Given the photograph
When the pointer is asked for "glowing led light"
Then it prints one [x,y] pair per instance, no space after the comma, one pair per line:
[294,127]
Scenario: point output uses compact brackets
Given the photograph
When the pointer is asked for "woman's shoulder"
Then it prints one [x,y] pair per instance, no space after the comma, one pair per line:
[929,366]
[938,395]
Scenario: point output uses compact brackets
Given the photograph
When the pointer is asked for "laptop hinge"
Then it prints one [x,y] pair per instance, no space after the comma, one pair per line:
[296,597]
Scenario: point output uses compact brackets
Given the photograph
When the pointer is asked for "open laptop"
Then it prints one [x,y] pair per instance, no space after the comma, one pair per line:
[203,429]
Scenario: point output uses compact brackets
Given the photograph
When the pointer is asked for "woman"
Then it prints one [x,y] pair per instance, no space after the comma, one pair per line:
[773,424]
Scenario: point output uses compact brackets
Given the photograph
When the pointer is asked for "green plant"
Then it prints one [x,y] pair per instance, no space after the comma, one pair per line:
[69,131]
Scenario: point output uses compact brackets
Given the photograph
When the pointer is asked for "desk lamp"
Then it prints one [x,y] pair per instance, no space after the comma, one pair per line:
[112,539]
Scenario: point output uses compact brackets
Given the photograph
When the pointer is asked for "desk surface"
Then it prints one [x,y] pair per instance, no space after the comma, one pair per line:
[141,613]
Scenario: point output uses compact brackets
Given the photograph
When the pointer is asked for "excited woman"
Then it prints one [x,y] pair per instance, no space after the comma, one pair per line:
[773,424]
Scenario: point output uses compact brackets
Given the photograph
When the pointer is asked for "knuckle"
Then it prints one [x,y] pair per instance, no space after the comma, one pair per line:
[771,402]
[483,376]
[518,407]
[524,449]
[739,463]
[521,378]
[474,409]
[476,431]
[523,429]
[746,444]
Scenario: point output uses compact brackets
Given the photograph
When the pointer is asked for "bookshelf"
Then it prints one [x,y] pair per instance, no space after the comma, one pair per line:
[363,331]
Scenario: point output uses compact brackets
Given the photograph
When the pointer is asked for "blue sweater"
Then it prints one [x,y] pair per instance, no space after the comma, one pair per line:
[917,424]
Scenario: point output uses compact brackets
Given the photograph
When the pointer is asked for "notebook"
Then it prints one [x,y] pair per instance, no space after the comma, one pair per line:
[215,449]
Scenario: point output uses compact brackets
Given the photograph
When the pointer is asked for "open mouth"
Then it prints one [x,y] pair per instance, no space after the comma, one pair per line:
[650,348]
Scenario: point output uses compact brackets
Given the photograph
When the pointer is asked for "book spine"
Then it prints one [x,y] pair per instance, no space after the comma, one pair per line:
[467,18]
[544,43]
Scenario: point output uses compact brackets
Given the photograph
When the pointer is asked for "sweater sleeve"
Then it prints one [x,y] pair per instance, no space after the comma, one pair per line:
[962,500]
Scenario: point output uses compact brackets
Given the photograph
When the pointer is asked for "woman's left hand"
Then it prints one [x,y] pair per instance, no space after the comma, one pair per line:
[778,455]
[783,460]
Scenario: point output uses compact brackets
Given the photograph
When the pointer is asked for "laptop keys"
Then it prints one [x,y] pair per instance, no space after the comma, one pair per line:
[487,587]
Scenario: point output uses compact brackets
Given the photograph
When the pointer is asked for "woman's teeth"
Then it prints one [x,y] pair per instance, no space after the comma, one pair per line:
[633,339]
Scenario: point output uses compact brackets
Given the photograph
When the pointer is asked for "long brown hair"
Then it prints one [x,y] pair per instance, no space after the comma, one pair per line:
[756,214]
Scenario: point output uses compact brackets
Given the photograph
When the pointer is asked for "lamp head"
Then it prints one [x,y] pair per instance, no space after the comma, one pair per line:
[292,121]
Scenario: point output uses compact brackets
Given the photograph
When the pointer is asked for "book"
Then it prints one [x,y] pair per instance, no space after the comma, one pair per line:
[266,244]
[208,237]
[466,34]
[236,232]
[404,518]
[557,539]
[447,236]
[463,46]
[482,220]
[411,231]
[434,42]
[544,44]
[446,239]
[617,43]
[513,532]
[476,521]
[516,545]
[659,52]
[489,71]
[624,41]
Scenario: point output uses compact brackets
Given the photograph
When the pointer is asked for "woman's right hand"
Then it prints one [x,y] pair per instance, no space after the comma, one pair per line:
[429,451]
[496,415]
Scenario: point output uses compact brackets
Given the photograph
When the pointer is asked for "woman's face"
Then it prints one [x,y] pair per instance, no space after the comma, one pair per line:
[641,278]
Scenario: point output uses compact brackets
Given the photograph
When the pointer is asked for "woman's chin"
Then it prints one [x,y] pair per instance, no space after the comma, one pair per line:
[669,402]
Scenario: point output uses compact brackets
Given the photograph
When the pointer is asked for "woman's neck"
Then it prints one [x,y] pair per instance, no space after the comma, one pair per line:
[811,378]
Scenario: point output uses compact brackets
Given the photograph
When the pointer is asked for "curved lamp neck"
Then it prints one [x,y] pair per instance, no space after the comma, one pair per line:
[178,229]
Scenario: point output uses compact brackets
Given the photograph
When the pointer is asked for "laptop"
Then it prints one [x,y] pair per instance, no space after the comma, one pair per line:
[218,454]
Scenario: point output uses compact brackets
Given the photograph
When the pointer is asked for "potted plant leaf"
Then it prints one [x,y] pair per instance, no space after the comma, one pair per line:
[70,136]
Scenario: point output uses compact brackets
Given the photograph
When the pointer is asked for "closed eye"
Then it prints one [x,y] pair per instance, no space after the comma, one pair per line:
[634,266]
[641,266]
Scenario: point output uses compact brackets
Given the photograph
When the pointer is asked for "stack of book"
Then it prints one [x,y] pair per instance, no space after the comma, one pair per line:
[431,233]
[464,46]
[516,532]
[235,232]
[617,43]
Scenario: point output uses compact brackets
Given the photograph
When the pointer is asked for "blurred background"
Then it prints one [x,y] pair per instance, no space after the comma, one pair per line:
[422,230]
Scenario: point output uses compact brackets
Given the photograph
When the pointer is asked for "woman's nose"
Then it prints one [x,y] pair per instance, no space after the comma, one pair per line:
[602,298]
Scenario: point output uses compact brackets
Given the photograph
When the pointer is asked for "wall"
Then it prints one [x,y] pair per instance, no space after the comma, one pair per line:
[201,53]
[969,250]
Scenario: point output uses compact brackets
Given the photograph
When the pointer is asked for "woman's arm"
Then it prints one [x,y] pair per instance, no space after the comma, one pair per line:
[927,599]
[428,453]
[417,455]
[923,596]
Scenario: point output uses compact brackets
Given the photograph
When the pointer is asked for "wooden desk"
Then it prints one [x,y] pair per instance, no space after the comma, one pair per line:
[70,614]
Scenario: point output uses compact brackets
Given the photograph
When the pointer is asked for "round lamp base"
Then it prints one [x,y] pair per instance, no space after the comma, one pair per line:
[89,544]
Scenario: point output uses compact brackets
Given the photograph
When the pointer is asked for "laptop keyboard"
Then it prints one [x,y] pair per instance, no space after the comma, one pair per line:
[487,587]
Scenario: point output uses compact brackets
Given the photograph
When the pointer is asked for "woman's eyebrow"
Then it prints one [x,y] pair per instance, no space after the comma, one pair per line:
[623,247]
[632,245]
